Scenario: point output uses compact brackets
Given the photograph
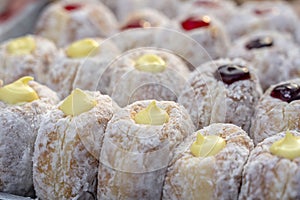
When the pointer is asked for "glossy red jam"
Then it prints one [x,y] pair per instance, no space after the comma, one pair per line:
[195,22]
[286,92]
[72,7]
[138,23]
[231,73]
[5,16]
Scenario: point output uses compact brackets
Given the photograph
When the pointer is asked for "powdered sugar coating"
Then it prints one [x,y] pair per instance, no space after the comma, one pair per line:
[214,177]
[35,64]
[85,73]
[128,84]
[273,115]
[276,16]
[134,157]
[267,176]
[274,64]
[153,17]
[222,10]
[165,38]
[67,151]
[19,125]
[93,19]
[213,38]
[210,101]
[123,8]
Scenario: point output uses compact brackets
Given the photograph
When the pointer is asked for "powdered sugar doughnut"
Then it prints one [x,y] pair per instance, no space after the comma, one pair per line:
[145,18]
[26,56]
[123,8]
[77,68]
[67,21]
[208,99]
[165,39]
[207,31]
[268,176]
[19,125]
[68,147]
[146,74]
[222,10]
[277,110]
[135,156]
[274,55]
[262,15]
[209,177]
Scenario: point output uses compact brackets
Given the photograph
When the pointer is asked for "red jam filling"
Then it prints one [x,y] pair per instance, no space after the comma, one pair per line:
[231,73]
[12,9]
[265,11]
[286,92]
[72,7]
[195,22]
[5,16]
[138,23]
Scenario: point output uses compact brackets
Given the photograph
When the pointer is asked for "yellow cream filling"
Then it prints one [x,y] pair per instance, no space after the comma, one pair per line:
[287,147]
[150,63]
[18,92]
[206,146]
[82,48]
[77,102]
[21,46]
[152,115]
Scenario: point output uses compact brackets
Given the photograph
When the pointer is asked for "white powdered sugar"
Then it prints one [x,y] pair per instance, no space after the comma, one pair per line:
[214,177]
[267,176]
[123,8]
[212,38]
[67,151]
[34,64]
[86,73]
[209,100]
[19,125]
[134,157]
[91,19]
[128,84]
[273,115]
[151,17]
[275,63]
[222,10]
[266,15]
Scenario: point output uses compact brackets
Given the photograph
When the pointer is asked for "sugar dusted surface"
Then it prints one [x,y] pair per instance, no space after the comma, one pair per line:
[169,7]
[273,115]
[63,27]
[273,64]
[85,73]
[215,177]
[222,10]
[154,17]
[67,151]
[35,64]
[19,125]
[134,157]
[127,84]
[210,101]
[282,18]
[213,39]
[267,176]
